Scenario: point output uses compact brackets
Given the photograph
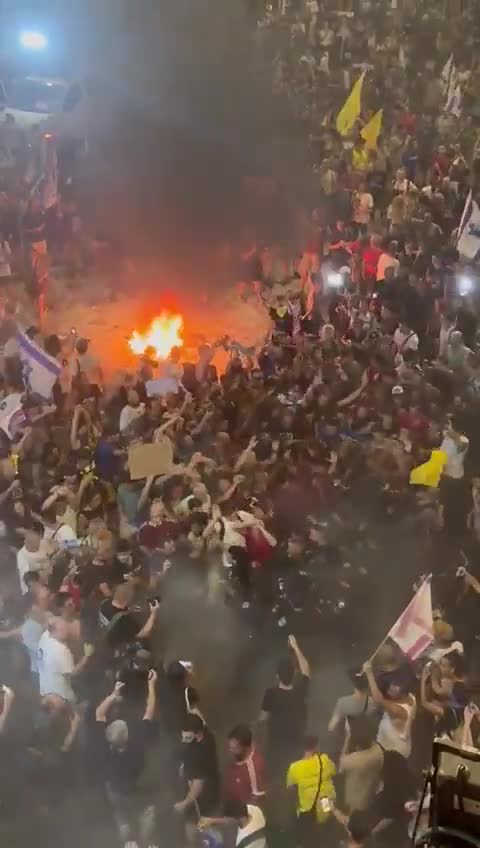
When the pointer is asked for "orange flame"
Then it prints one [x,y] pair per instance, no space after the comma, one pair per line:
[163,333]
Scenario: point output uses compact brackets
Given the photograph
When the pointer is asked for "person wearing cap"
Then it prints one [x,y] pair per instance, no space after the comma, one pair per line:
[121,748]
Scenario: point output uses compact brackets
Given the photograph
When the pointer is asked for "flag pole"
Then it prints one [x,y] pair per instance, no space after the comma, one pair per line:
[463,219]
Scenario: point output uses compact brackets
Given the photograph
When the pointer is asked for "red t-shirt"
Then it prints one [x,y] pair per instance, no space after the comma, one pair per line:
[259,548]
[407,121]
[153,536]
[370,257]
[442,163]
[314,241]
[74,591]
[415,422]
[245,781]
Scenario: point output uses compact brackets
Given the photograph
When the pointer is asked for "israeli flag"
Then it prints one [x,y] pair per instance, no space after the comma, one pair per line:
[40,371]
[12,415]
[468,244]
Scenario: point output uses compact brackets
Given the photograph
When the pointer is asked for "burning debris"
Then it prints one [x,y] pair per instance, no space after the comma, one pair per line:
[163,334]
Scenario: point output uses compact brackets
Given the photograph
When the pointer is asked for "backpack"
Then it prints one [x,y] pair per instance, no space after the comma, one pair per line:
[358,722]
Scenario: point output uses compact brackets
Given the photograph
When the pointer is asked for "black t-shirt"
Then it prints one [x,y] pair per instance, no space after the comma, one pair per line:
[93,575]
[282,319]
[34,226]
[199,762]
[125,627]
[172,699]
[123,769]
[288,712]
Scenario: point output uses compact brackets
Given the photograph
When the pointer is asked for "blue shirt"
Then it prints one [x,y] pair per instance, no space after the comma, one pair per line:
[106,462]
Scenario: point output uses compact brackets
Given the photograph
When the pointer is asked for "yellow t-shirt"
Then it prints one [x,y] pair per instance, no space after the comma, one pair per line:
[360,159]
[305,774]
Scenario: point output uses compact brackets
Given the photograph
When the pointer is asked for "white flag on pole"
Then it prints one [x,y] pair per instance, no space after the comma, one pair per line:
[468,244]
[454,101]
[413,631]
[446,75]
[40,371]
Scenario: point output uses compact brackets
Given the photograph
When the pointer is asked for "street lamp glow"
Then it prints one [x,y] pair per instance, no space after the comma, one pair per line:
[33,40]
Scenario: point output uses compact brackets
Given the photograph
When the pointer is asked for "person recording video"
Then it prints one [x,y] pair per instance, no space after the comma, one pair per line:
[121,747]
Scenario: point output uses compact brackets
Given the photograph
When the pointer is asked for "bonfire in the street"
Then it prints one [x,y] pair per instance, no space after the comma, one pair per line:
[163,334]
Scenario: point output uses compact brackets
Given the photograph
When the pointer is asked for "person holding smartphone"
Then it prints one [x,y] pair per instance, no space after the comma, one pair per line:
[284,708]
[121,748]
[120,622]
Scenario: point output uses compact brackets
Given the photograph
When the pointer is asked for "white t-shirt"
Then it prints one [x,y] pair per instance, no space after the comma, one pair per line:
[362,207]
[256,823]
[456,456]
[31,561]
[445,333]
[405,341]
[5,254]
[386,261]
[326,37]
[63,536]
[129,414]
[436,654]
[55,665]
[402,186]
[31,634]
[395,734]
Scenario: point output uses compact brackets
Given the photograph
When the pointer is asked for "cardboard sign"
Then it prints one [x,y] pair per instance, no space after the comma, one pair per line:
[150,460]
[161,386]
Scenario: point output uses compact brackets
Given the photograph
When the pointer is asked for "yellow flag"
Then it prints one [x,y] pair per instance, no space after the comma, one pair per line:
[372,130]
[351,108]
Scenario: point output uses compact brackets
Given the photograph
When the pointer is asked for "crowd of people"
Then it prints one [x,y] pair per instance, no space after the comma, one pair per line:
[303,483]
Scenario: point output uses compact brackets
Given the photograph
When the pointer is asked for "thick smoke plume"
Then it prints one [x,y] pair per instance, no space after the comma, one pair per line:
[185,112]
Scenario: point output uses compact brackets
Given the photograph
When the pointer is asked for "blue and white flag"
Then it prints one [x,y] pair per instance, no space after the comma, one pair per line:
[468,244]
[40,371]
[12,415]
